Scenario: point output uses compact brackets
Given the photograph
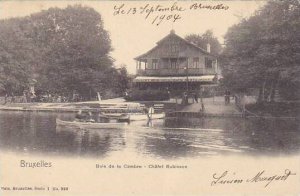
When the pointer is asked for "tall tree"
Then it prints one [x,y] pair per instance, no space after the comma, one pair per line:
[65,50]
[204,39]
[16,55]
[75,50]
[261,51]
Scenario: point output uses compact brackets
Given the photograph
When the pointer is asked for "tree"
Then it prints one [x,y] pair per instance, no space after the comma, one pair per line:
[204,39]
[16,55]
[261,51]
[75,50]
[123,79]
[65,50]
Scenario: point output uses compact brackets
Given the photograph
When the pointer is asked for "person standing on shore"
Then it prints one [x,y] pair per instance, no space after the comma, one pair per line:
[150,112]
[227,97]
[196,96]
[184,99]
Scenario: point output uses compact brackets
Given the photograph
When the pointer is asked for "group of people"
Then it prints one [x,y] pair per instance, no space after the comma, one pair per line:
[185,98]
[85,117]
[196,96]
[102,118]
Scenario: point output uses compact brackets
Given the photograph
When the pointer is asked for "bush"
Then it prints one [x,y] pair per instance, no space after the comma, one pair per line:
[147,95]
[275,108]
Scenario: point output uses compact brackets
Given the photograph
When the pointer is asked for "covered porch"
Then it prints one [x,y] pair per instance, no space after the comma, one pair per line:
[175,85]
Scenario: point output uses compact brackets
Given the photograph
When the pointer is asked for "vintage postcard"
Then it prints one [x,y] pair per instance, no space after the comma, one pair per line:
[149,97]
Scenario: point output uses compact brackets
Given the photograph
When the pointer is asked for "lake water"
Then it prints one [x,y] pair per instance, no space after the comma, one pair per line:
[37,133]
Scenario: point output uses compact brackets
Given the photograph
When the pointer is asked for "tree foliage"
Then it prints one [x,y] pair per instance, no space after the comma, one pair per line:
[122,84]
[16,54]
[68,50]
[204,39]
[261,51]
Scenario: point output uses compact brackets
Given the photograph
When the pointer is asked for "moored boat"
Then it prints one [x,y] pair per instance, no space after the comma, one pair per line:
[91,125]
[141,116]
[133,116]
[115,117]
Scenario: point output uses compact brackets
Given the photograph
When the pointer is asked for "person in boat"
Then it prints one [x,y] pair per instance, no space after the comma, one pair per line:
[90,117]
[80,116]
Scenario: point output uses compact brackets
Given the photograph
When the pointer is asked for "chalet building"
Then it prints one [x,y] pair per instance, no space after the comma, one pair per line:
[175,64]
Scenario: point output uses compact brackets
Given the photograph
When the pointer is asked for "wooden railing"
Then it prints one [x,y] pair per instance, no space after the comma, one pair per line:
[175,72]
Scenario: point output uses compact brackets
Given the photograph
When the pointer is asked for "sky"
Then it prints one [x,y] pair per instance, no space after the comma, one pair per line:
[133,34]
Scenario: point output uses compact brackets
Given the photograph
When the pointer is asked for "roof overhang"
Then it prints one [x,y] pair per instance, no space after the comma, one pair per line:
[172,35]
[205,78]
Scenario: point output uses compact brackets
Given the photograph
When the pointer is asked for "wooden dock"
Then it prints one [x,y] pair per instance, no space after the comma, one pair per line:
[84,106]
[179,114]
[213,107]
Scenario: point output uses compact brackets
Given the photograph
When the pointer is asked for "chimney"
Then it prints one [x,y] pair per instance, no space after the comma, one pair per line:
[208,48]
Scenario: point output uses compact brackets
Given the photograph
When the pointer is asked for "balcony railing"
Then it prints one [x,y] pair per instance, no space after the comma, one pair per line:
[175,72]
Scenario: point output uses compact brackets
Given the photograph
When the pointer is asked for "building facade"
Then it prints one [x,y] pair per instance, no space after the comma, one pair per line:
[177,65]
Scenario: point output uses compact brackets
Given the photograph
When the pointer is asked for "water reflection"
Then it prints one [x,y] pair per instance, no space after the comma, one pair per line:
[36,132]
[245,135]
[172,142]
[90,142]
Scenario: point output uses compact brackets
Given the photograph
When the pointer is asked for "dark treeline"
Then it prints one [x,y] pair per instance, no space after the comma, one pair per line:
[201,40]
[64,51]
[263,52]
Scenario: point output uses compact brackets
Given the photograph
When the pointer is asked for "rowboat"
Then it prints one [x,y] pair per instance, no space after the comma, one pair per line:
[141,116]
[133,116]
[91,125]
[115,117]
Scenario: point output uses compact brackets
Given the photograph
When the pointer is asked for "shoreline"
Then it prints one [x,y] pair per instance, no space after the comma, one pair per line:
[33,108]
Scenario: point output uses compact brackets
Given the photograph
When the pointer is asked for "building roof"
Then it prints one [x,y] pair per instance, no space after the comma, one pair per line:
[173,36]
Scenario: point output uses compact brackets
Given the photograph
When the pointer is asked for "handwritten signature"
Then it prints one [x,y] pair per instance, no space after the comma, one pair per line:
[158,13]
[225,178]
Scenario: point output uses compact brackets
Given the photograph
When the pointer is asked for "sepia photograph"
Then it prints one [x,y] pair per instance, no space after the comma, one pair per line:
[149,97]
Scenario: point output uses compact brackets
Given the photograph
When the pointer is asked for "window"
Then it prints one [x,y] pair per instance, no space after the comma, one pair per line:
[147,65]
[154,64]
[173,63]
[208,63]
[195,62]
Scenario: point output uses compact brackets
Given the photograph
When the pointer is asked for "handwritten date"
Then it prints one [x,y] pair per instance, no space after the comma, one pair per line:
[157,13]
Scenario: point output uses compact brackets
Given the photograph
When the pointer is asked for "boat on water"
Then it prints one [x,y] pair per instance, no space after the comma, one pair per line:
[92,125]
[147,115]
[130,117]
[141,116]
[133,116]
[114,117]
